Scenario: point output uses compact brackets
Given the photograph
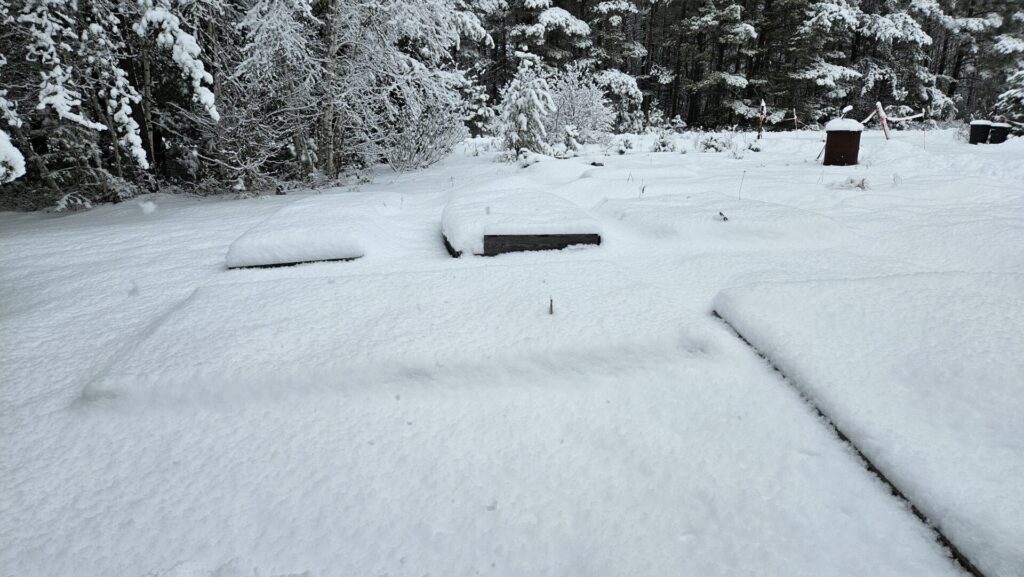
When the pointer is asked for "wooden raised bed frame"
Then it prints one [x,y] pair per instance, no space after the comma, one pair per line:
[284,264]
[505,243]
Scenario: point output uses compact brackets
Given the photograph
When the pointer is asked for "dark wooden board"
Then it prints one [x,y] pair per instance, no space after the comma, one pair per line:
[283,264]
[451,249]
[500,244]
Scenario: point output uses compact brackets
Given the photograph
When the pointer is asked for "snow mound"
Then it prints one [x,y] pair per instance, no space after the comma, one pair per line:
[925,373]
[312,229]
[713,220]
[843,125]
[471,216]
[243,339]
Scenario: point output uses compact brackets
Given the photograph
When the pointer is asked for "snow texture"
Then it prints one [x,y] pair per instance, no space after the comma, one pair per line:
[311,229]
[843,125]
[923,372]
[470,217]
[981,123]
[350,432]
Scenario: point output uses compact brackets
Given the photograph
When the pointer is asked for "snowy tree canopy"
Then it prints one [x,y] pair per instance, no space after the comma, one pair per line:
[107,98]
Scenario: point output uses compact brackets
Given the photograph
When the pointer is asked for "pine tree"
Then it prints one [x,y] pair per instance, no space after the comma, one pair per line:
[1011,102]
[525,102]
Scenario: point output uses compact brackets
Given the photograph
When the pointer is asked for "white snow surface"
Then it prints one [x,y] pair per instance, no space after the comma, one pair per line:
[310,229]
[409,413]
[471,216]
[923,372]
[981,122]
[843,125]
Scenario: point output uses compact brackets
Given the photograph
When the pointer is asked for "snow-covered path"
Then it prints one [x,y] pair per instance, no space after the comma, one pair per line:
[410,414]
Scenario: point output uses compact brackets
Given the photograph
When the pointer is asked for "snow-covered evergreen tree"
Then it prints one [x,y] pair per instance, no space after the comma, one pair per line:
[525,102]
[614,39]
[1011,102]
[12,163]
[626,99]
[102,98]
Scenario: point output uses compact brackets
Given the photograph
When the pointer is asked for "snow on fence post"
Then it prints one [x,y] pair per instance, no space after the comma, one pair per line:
[842,141]
[883,119]
[761,118]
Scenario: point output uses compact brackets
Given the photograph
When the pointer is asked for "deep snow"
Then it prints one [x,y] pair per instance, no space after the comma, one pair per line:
[315,228]
[408,413]
[924,373]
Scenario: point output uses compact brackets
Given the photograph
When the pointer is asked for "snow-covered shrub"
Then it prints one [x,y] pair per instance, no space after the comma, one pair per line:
[478,145]
[664,142]
[12,163]
[849,184]
[754,146]
[526,157]
[622,145]
[580,102]
[626,98]
[655,118]
[525,102]
[678,124]
[426,139]
[714,143]
[570,144]
[71,202]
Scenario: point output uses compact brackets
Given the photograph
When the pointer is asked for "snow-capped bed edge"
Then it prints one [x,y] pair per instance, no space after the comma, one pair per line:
[469,217]
[312,229]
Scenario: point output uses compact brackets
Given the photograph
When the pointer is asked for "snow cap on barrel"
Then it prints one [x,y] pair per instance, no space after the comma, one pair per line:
[981,123]
[843,125]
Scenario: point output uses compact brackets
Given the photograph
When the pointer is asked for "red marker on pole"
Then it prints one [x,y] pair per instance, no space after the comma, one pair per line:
[883,119]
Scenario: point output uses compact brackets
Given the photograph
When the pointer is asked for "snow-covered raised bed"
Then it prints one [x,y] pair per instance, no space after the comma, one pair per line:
[317,228]
[492,223]
[923,373]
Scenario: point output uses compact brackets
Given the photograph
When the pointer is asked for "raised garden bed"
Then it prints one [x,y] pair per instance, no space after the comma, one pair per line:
[489,224]
[313,229]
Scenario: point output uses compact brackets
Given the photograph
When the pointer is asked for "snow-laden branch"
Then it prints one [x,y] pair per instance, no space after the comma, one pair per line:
[185,50]
[51,30]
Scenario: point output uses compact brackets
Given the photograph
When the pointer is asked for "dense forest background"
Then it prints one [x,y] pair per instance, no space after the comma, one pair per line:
[103,99]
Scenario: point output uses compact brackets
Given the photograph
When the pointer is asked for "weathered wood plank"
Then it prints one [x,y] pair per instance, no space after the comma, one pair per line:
[500,244]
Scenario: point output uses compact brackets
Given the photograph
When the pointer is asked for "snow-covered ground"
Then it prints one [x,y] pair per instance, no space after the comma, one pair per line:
[924,373]
[408,413]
